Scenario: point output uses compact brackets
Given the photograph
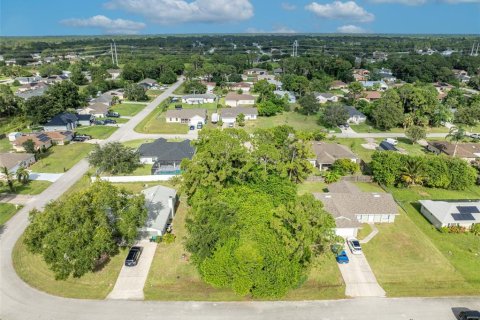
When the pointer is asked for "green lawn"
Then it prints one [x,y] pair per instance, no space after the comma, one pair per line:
[174,278]
[5,145]
[369,187]
[355,145]
[97,132]
[8,125]
[128,109]
[208,106]
[94,285]
[136,143]
[152,94]
[6,212]
[311,187]
[296,120]
[155,122]
[368,127]
[412,258]
[31,188]
[59,159]
[364,231]
[180,90]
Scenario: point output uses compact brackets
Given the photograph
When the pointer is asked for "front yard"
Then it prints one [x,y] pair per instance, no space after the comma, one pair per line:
[6,212]
[155,122]
[31,188]
[97,132]
[294,119]
[128,109]
[59,159]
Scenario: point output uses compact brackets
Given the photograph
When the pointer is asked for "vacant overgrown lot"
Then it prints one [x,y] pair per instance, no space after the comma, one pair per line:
[58,159]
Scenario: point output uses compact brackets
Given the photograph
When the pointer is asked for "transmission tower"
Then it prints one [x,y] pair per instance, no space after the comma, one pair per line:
[295,49]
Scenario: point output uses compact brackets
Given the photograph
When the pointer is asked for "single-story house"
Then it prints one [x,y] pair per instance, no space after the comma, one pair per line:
[355,116]
[278,71]
[27,80]
[245,87]
[256,71]
[382,86]
[229,115]
[277,83]
[327,153]
[41,141]
[199,98]
[371,96]
[210,86]
[350,207]
[13,161]
[443,86]
[85,120]
[235,100]
[60,137]
[56,78]
[105,98]
[337,85]
[466,151]
[31,86]
[114,73]
[148,83]
[361,74]
[36,92]
[160,202]
[165,155]
[97,109]
[325,97]
[451,213]
[12,136]
[62,122]
[290,95]
[187,116]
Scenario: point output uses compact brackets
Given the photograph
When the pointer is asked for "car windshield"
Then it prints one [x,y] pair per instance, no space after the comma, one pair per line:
[356,243]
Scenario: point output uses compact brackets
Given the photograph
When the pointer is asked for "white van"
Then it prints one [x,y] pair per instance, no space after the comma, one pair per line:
[391,141]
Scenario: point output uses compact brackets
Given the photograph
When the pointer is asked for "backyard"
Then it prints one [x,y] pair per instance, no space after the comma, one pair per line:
[59,159]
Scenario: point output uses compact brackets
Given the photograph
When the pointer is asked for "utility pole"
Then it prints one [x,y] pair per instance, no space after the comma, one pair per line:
[116,56]
[111,50]
[476,52]
[295,49]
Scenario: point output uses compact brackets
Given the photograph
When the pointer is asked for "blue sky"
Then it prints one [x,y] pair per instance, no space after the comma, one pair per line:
[91,17]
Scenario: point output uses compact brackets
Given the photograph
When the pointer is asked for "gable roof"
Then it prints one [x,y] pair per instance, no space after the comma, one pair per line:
[58,135]
[199,96]
[464,150]
[329,152]
[96,108]
[39,91]
[148,81]
[238,97]
[159,211]
[164,150]
[453,211]
[353,112]
[186,113]
[234,112]
[326,95]
[62,119]
[371,95]
[11,160]
[338,83]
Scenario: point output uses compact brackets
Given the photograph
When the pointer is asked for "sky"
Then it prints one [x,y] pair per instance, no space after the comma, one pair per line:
[95,17]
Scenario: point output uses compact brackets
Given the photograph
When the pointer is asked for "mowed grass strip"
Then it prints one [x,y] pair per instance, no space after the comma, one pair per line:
[33,187]
[128,109]
[97,132]
[294,119]
[58,159]
[155,122]
[94,285]
[7,211]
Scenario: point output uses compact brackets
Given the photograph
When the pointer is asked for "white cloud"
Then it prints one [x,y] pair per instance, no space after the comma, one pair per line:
[288,6]
[110,26]
[341,10]
[350,28]
[181,11]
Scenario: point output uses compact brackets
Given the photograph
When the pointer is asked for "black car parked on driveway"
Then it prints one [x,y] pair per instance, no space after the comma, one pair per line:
[133,256]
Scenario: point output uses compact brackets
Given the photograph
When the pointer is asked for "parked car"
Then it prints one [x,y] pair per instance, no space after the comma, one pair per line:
[342,257]
[133,256]
[354,245]
[113,114]
[192,127]
[199,125]
[79,139]
[469,315]
[391,141]
[475,136]
[109,121]
[86,136]
[99,122]
[230,125]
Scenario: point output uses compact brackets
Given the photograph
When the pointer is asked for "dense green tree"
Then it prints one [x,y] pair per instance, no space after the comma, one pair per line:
[345,167]
[64,95]
[10,105]
[195,86]
[264,89]
[415,133]
[9,177]
[76,234]
[168,77]
[388,111]
[241,120]
[135,92]
[309,104]
[47,70]
[114,158]
[456,134]
[335,115]
[22,175]
[29,146]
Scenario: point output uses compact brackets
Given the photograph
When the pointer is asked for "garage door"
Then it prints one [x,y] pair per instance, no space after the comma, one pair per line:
[346,232]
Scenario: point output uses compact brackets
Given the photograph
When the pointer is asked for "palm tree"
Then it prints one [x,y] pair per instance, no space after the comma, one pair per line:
[22,175]
[456,134]
[408,120]
[8,176]
[413,171]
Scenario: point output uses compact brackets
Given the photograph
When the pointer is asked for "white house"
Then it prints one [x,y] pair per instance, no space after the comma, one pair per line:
[451,213]
[235,100]
[326,97]
[98,110]
[290,95]
[382,86]
[355,116]
[229,115]
[13,161]
[245,87]
[14,136]
[114,73]
[187,116]
[199,98]
[160,202]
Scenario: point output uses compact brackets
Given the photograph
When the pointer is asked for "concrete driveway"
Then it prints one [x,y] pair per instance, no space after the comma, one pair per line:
[131,280]
[52,177]
[359,278]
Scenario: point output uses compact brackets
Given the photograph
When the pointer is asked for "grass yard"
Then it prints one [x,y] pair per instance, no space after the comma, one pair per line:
[58,159]
[311,187]
[8,125]
[180,90]
[7,211]
[355,144]
[136,143]
[31,188]
[5,145]
[174,278]
[369,187]
[152,94]
[208,106]
[97,132]
[412,258]
[364,231]
[128,109]
[94,285]
[296,120]
[367,127]
[155,122]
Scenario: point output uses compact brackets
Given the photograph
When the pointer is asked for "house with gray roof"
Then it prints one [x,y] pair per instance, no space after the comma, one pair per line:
[464,213]
[13,161]
[166,156]
[36,92]
[324,97]
[327,153]
[199,98]
[191,117]
[160,202]
[229,115]
[350,207]
[355,116]
[148,83]
[290,95]
[105,98]
[97,109]
[67,122]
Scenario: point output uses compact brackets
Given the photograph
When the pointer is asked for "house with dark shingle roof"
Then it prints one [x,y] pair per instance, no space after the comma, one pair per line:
[36,92]
[67,122]
[355,116]
[165,156]
[350,207]
[327,153]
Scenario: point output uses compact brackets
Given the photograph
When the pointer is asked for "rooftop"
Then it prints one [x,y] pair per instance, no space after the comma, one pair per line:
[237,97]
[165,150]
[234,112]
[159,210]
[186,113]
[329,152]
[10,160]
[453,212]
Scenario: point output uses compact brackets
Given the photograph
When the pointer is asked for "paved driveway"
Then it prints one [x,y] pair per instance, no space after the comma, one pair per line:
[131,280]
[359,278]
[52,177]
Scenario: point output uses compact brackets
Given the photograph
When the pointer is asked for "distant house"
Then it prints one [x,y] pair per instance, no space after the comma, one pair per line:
[161,203]
[13,161]
[187,116]
[36,92]
[327,153]
[55,78]
[466,151]
[229,115]
[382,86]
[337,85]
[105,98]
[98,110]
[31,86]
[210,86]
[60,137]
[370,96]
[148,84]
[114,73]
[166,155]
[386,75]
[361,74]
[323,97]
[256,72]
[10,62]
[278,84]
[235,100]
[443,87]
[355,116]
[27,80]
[245,87]
[451,213]
[379,55]
[290,95]
[41,141]
[350,207]
[278,71]
[67,122]
[461,75]
[199,98]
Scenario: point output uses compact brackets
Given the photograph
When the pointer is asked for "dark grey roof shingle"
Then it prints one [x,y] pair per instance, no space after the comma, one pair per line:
[167,151]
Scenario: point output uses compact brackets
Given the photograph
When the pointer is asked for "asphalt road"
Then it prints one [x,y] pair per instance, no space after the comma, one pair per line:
[18,301]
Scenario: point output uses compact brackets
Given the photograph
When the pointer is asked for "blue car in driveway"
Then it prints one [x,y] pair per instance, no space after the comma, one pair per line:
[342,257]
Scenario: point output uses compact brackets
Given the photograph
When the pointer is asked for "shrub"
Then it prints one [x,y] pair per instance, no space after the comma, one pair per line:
[457,229]
[168,238]
[345,167]
[475,229]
